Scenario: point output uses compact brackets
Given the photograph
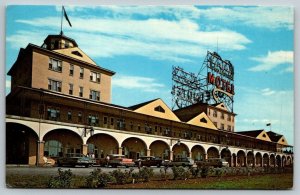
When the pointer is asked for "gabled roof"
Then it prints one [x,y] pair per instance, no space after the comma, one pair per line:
[278,138]
[73,51]
[258,134]
[156,108]
[221,106]
[202,120]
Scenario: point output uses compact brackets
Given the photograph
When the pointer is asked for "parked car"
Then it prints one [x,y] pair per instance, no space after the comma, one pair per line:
[73,159]
[116,160]
[149,161]
[184,161]
[213,162]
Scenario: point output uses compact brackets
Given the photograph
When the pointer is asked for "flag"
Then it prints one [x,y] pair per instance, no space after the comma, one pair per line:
[269,124]
[66,16]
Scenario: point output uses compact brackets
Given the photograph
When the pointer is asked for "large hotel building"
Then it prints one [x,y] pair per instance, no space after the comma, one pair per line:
[60,102]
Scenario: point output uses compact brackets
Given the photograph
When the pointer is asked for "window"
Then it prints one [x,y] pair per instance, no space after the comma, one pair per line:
[95,77]
[53,148]
[215,113]
[53,114]
[229,118]
[222,126]
[159,109]
[105,120]
[81,73]
[203,120]
[71,89]
[222,115]
[67,44]
[54,85]
[69,115]
[216,124]
[77,53]
[80,91]
[93,120]
[95,95]
[79,117]
[71,70]
[55,65]
[229,128]
[111,121]
[121,124]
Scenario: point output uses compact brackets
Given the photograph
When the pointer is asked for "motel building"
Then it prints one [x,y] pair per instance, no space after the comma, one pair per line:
[60,102]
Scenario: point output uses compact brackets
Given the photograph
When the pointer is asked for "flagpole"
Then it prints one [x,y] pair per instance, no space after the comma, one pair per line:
[61,32]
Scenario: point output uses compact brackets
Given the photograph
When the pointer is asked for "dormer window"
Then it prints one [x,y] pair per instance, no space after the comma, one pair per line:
[264,135]
[77,53]
[159,109]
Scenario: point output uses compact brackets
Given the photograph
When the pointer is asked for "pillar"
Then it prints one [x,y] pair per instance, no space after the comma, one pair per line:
[171,155]
[191,154]
[254,161]
[205,156]
[120,150]
[84,149]
[231,161]
[148,152]
[40,153]
[245,161]
[235,161]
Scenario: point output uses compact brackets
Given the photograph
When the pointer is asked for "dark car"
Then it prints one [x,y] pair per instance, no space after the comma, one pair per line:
[149,161]
[184,161]
[213,162]
[73,159]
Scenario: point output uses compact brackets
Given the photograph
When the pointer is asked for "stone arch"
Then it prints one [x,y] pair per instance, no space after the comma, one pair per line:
[266,160]
[102,144]
[226,154]
[288,161]
[160,149]
[212,152]
[180,150]
[21,144]
[278,161]
[241,158]
[198,153]
[272,160]
[258,159]
[250,159]
[71,141]
[283,161]
[134,147]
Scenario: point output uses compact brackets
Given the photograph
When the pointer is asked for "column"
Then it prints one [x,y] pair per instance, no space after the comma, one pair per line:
[120,150]
[191,154]
[40,153]
[235,163]
[231,161]
[148,152]
[171,155]
[84,149]
[254,161]
[245,161]
[205,156]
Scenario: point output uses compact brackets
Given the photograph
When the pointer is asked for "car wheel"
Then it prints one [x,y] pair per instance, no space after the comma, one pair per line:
[158,165]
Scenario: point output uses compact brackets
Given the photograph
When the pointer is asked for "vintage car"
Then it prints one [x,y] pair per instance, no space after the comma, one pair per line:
[213,162]
[73,159]
[149,161]
[183,161]
[116,160]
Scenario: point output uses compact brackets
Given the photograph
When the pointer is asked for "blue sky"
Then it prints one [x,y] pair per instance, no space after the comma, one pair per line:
[142,43]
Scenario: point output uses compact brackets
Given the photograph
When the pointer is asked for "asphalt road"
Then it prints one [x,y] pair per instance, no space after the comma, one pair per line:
[25,170]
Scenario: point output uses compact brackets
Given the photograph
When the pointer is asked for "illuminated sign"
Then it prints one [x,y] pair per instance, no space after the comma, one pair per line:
[220,83]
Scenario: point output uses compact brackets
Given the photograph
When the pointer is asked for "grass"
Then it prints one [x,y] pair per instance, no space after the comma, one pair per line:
[269,181]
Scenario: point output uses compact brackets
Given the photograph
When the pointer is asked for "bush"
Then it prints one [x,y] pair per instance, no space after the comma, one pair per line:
[204,172]
[63,180]
[144,174]
[195,171]
[164,172]
[98,179]
[122,177]
[180,173]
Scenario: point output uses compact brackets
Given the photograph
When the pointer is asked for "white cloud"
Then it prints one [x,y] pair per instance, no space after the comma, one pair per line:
[273,60]
[145,84]
[267,92]
[155,38]
[264,17]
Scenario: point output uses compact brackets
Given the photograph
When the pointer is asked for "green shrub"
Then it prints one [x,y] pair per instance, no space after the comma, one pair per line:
[195,171]
[180,173]
[122,177]
[98,179]
[204,172]
[63,180]
[164,172]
